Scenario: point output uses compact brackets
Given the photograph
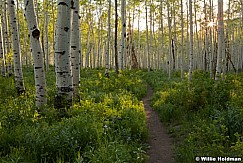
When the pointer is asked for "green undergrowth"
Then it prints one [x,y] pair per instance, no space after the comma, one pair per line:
[106,125]
[205,117]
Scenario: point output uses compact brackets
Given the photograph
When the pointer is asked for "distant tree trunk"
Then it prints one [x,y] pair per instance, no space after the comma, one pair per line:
[40,81]
[123,34]
[46,35]
[6,35]
[75,48]
[2,58]
[147,41]
[220,39]
[191,42]
[116,28]
[18,74]
[108,41]
[182,41]
[151,49]
[170,38]
[211,42]
[62,56]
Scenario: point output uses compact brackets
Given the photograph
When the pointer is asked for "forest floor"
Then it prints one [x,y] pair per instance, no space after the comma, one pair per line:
[160,143]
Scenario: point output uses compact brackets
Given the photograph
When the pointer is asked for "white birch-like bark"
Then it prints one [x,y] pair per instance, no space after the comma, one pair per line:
[108,43]
[151,49]
[6,41]
[62,56]
[123,35]
[220,40]
[170,38]
[18,74]
[46,48]
[182,42]
[191,43]
[2,57]
[147,41]
[40,81]
[75,47]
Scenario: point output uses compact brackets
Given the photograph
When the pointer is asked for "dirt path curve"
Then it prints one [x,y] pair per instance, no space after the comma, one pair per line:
[159,141]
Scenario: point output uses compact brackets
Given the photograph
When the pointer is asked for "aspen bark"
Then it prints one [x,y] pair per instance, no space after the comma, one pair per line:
[220,39]
[108,41]
[191,42]
[40,81]
[75,47]
[123,34]
[18,74]
[62,56]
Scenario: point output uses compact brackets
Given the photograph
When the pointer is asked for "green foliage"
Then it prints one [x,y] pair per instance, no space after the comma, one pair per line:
[106,125]
[206,117]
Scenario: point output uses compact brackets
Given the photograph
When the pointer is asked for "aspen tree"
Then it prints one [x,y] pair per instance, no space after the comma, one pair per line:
[62,56]
[108,41]
[75,46]
[182,41]
[2,57]
[116,28]
[5,29]
[220,39]
[191,43]
[123,34]
[46,48]
[40,81]
[147,41]
[18,74]
[170,38]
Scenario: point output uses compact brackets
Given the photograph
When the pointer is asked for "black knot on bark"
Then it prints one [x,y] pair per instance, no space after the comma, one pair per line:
[62,3]
[66,29]
[36,33]
[12,2]
[72,5]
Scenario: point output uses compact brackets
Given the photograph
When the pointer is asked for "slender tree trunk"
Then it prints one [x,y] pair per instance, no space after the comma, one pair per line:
[123,34]
[182,41]
[46,35]
[108,43]
[220,39]
[147,41]
[75,47]
[170,38]
[18,74]
[6,40]
[191,43]
[40,81]
[116,28]
[2,57]
[62,56]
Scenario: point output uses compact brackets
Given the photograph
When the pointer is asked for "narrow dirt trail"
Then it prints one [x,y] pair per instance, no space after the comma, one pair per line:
[160,143]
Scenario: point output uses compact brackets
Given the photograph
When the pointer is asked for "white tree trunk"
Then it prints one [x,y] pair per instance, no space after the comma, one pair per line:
[108,43]
[170,38]
[220,39]
[123,34]
[46,35]
[40,81]
[62,56]
[182,42]
[191,42]
[75,47]
[18,74]
[2,58]
[6,41]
